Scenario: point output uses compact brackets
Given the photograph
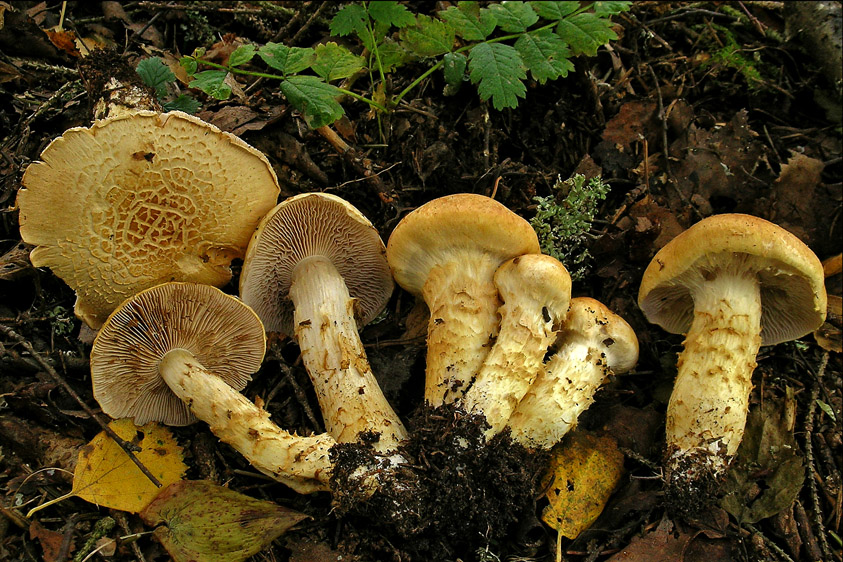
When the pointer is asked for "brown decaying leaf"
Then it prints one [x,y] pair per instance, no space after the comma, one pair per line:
[51,541]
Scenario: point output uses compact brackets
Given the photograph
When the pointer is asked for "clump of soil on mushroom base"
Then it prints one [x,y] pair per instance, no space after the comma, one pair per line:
[462,493]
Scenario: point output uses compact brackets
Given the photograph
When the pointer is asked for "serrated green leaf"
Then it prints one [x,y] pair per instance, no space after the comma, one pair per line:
[469,21]
[212,83]
[349,19]
[287,60]
[391,13]
[241,55]
[189,65]
[334,62]
[498,71]
[514,17]
[429,37]
[545,54]
[316,99]
[454,68]
[554,10]
[392,54]
[610,8]
[155,74]
[585,33]
[183,103]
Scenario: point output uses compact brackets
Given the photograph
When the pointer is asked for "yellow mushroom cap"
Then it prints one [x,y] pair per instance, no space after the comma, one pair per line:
[790,275]
[142,199]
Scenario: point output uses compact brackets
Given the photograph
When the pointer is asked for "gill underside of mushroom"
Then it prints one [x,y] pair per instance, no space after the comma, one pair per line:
[300,462]
[463,303]
[349,395]
[707,411]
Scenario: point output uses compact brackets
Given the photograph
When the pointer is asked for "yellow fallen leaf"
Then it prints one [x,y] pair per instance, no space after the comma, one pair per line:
[106,476]
[583,472]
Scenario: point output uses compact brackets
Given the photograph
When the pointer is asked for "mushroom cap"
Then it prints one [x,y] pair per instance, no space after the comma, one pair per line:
[591,319]
[445,229]
[793,296]
[307,225]
[225,336]
[536,278]
[139,200]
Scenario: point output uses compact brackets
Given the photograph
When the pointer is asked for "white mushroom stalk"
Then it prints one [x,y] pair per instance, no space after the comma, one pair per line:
[593,344]
[180,350]
[536,292]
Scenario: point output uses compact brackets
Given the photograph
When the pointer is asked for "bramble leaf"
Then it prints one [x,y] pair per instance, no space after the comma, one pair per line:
[241,55]
[545,54]
[183,103]
[349,19]
[189,65]
[555,10]
[610,8]
[429,37]
[391,13]
[287,60]
[514,17]
[316,99]
[497,69]
[454,69]
[335,63]
[585,32]
[469,21]
[155,74]
[212,82]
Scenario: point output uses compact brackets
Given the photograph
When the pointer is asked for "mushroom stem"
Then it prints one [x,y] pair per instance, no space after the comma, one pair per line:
[300,462]
[349,396]
[707,409]
[463,323]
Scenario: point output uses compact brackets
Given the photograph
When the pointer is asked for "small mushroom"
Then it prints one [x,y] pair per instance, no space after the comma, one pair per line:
[314,264]
[593,343]
[447,252]
[139,200]
[536,293]
[181,351]
[731,283]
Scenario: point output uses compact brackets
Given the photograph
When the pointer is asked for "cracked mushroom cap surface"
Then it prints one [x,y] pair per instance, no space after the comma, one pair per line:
[445,229]
[224,335]
[139,200]
[307,225]
[793,296]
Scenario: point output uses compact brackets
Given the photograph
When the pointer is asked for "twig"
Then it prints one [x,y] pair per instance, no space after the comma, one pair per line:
[129,448]
[768,543]
[810,461]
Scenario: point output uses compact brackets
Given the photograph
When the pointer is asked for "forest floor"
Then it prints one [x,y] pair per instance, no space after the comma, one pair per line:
[696,109]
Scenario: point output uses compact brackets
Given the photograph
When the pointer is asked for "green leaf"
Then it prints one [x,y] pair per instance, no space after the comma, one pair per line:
[392,54]
[287,60]
[349,19]
[554,10]
[334,62]
[514,17]
[241,55]
[497,70]
[155,74]
[183,103]
[429,37]
[610,8]
[545,54]
[584,33]
[189,64]
[316,99]
[469,21]
[454,69]
[827,409]
[391,13]
[212,83]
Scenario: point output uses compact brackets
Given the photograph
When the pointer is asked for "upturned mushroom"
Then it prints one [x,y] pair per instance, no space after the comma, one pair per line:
[313,265]
[730,283]
[142,199]
[592,344]
[536,292]
[181,351]
[447,252]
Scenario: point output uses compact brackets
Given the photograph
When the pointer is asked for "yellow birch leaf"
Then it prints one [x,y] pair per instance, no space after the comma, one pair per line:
[583,472]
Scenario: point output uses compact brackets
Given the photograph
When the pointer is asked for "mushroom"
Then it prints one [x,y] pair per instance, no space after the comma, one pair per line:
[447,252]
[142,199]
[592,344]
[181,351]
[536,292]
[312,265]
[731,283]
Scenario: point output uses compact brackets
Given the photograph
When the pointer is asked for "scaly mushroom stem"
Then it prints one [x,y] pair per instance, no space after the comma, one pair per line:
[463,323]
[707,409]
[300,462]
[349,395]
